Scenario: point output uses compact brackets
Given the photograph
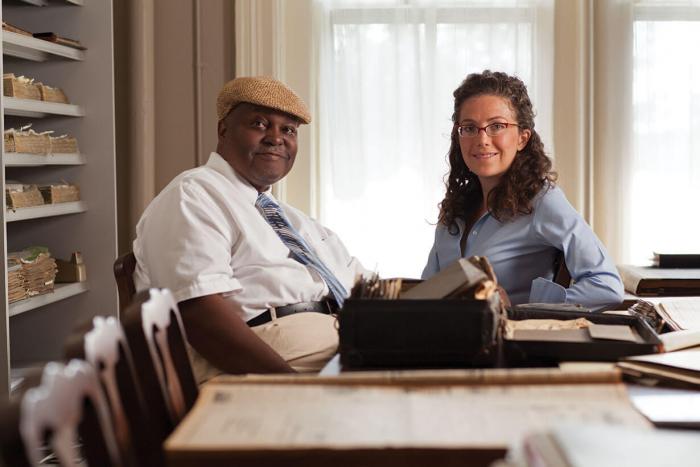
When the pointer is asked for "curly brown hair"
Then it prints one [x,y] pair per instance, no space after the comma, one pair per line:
[524,179]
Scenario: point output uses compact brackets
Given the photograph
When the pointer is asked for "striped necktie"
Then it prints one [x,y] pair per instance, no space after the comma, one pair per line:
[300,249]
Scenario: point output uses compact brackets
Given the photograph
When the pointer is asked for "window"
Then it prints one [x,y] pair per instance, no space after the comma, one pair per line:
[665,169]
[387,72]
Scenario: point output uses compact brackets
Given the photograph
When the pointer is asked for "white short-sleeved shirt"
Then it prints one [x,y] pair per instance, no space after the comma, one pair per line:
[203,235]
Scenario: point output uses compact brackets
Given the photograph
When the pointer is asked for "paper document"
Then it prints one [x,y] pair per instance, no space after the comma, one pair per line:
[680,339]
[681,313]
[245,417]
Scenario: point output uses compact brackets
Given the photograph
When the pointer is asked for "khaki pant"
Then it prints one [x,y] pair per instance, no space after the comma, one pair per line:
[307,341]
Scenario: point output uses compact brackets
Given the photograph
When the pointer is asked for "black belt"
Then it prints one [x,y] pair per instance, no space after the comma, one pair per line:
[325,306]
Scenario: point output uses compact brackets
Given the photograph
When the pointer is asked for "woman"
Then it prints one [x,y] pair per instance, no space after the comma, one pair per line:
[501,202]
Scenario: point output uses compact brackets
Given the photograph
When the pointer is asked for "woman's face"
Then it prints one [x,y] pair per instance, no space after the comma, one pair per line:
[489,157]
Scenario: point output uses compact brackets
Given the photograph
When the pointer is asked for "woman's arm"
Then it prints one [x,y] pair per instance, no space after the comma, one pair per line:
[596,282]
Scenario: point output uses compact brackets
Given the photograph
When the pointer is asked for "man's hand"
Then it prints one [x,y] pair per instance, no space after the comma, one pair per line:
[215,330]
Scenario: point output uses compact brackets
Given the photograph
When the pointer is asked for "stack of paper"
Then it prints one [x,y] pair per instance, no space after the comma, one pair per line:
[15,284]
[426,423]
[37,270]
[681,313]
[680,368]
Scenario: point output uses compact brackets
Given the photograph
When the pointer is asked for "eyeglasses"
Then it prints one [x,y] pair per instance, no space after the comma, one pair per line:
[493,129]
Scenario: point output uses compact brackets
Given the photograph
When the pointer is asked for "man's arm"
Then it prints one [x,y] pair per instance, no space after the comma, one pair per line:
[215,330]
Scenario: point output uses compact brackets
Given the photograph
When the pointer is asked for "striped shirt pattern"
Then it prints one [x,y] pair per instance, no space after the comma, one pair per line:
[301,252]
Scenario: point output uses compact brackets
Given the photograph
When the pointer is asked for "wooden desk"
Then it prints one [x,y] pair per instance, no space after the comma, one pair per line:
[390,418]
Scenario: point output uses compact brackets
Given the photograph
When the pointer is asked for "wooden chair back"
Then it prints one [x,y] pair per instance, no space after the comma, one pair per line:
[68,405]
[157,339]
[104,346]
[12,452]
[124,268]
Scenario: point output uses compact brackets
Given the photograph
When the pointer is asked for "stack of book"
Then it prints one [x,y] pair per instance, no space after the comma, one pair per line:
[15,284]
[21,195]
[25,140]
[33,272]
[22,87]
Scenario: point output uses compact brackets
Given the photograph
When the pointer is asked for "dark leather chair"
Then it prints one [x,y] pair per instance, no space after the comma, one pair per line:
[124,268]
[561,272]
[103,345]
[158,343]
[68,404]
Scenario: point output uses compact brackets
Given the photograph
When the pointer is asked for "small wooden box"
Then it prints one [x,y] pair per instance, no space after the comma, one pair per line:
[29,197]
[64,145]
[21,89]
[63,193]
[72,270]
[27,142]
[51,94]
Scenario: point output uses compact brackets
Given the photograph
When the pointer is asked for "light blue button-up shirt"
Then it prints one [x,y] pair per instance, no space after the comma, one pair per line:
[522,253]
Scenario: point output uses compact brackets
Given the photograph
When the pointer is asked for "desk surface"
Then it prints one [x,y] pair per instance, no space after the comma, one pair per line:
[400,424]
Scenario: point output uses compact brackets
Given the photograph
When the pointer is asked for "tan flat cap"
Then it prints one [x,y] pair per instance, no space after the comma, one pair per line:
[261,90]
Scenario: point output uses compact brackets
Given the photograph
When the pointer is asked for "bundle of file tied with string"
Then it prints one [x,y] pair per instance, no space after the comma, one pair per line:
[30,272]
[449,320]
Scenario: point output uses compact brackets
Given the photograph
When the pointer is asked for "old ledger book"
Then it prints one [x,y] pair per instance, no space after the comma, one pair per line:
[680,313]
[677,260]
[319,425]
[641,280]
[681,368]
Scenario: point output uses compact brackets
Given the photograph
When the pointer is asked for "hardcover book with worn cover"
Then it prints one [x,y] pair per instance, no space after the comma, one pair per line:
[677,260]
[650,281]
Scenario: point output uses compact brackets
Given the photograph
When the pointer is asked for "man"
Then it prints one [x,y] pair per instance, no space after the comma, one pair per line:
[255,279]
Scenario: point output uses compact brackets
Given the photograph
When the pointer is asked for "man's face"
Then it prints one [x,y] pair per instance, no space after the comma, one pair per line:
[259,143]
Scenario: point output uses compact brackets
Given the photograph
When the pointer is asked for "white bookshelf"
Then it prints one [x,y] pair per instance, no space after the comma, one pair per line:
[18,159]
[46,210]
[46,2]
[38,50]
[31,108]
[61,292]
[34,330]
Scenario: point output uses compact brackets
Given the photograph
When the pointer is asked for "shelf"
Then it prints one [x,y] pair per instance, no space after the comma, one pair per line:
[46,210]
[37,50]
[18,159]
[46,2]
[61,292]
[39,109]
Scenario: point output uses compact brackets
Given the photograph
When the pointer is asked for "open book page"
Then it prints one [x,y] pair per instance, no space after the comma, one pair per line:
[681,313]
[685,359]
[680,367]
[242,417]
[677,340]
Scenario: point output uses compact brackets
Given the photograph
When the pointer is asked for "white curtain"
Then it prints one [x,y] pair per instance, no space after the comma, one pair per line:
[386,73]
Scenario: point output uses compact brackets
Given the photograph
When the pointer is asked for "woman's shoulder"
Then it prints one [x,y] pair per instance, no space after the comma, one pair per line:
[550,196]
[552,202]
